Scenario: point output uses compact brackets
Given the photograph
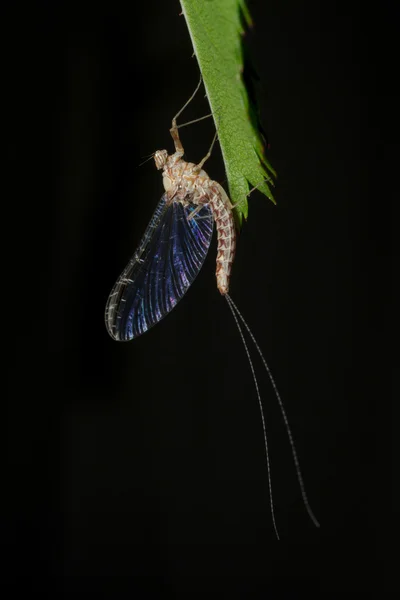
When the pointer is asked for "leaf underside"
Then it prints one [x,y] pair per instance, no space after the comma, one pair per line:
[216,29]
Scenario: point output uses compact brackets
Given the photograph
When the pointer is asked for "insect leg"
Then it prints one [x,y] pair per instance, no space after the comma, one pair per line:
[174,129]
[195,212]
[212,114]
[194,121]
[266,179]
[207,156]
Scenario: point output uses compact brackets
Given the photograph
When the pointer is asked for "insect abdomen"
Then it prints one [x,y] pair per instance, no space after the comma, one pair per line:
[226,234]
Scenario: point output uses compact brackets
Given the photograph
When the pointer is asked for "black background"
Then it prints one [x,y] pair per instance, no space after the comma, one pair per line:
[138,469]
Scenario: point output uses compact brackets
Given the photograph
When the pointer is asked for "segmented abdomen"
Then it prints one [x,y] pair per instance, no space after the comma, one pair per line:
[226,234]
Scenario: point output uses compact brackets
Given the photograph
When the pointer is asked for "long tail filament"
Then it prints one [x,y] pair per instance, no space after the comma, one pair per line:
[232,306]
[236,313]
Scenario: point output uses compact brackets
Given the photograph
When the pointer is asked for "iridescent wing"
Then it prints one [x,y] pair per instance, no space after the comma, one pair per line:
[168,259]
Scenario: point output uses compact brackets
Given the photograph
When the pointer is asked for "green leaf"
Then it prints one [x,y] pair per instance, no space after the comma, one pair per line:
[216,29]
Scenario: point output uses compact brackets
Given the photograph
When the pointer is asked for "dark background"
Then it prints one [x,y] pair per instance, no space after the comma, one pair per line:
[139,468]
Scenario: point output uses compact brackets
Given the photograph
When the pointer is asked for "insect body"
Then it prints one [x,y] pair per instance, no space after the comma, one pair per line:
[174,246]
[187,183]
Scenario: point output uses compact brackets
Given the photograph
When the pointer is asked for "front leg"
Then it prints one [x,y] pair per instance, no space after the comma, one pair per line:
[175,136]
[174,129]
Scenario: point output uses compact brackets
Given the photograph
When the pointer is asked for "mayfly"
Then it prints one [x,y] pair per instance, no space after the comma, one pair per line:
[171,254]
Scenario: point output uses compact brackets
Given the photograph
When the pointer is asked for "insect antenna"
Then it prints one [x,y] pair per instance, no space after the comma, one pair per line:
[147,159]
[236,313]
[233,307]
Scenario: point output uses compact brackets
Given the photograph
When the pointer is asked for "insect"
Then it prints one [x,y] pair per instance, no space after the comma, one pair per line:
[174,246]
[171,254]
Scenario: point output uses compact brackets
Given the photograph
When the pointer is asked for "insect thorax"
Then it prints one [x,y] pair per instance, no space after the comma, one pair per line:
[182,180]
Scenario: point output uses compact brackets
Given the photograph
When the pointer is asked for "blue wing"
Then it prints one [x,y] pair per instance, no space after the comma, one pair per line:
[168,259]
